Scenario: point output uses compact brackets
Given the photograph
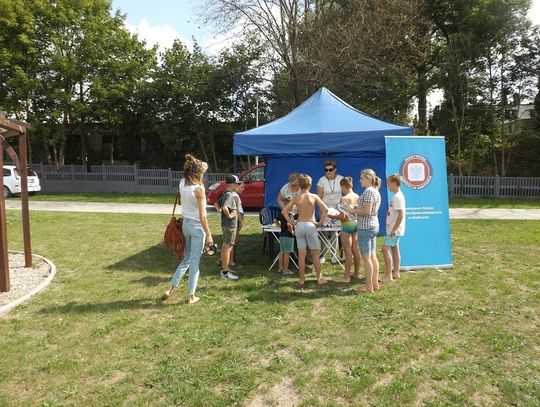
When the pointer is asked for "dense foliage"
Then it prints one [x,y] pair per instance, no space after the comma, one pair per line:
[94,92]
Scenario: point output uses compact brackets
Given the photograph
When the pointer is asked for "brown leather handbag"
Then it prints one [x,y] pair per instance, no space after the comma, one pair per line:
[174,237]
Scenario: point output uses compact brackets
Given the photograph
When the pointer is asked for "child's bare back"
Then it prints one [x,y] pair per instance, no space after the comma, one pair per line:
[305,206]
[351,199]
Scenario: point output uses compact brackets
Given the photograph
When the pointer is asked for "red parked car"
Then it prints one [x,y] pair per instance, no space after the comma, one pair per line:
[253,195]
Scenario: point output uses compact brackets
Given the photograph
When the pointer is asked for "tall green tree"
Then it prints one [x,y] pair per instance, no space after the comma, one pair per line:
[471,50]
[65,65]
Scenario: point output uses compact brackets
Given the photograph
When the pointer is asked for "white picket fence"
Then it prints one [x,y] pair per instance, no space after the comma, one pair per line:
[131,178]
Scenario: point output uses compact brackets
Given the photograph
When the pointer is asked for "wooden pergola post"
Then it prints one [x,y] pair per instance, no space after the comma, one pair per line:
[4,259]
[24,200]
[10,128]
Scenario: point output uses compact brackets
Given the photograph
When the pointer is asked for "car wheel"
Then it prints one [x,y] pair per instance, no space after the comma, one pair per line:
[32,193]
[7,192]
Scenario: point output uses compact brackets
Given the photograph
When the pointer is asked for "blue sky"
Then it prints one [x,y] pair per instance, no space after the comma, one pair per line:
[161,21]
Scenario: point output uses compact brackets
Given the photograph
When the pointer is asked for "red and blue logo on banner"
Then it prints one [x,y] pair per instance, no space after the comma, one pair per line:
[416,171]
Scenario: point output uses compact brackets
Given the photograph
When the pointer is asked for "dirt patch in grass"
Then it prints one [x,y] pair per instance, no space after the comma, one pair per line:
[426,391]
[282,394]
[487,396]
[115,378]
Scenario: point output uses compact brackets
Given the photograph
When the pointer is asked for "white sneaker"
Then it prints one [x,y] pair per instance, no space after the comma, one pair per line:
[334,260]
[228,276]
[322,260]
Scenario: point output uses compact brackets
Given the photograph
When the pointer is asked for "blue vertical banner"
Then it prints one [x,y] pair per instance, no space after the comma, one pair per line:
[421,161]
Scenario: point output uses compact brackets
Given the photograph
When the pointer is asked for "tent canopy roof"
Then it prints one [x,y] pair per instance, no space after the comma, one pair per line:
[322,124]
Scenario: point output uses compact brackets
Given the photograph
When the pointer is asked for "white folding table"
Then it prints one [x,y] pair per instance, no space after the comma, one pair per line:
[329,243]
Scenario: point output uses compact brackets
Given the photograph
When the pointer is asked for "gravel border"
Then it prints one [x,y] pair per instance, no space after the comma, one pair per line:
[44,283]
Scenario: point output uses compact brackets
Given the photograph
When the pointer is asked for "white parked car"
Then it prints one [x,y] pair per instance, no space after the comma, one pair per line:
[12,181]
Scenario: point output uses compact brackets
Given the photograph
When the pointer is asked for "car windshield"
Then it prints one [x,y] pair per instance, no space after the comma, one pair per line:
[31,172]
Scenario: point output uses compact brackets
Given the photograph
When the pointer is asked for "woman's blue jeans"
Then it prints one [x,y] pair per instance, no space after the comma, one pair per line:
[194,243]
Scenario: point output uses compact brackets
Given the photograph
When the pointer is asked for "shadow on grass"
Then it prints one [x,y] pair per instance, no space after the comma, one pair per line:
[286,290]
[154,259]
[158,259]
[256,283]
[104,307]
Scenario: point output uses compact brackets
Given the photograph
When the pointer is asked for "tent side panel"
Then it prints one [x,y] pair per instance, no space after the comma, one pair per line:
[278,168]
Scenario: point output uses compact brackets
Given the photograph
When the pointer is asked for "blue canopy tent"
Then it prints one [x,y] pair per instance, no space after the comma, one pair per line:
[322,127]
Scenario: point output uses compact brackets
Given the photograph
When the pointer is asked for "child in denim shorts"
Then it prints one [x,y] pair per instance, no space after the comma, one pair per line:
[395,228]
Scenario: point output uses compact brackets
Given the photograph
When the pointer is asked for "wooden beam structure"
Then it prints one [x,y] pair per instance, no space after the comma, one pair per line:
[10,128]
[4,257]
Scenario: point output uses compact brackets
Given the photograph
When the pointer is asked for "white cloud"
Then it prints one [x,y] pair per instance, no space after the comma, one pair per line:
[163,35]
[534,12]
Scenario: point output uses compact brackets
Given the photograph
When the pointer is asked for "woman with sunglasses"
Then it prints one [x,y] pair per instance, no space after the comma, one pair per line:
[329,190]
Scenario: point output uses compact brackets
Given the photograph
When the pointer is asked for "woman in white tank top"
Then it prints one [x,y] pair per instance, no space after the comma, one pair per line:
[194,226]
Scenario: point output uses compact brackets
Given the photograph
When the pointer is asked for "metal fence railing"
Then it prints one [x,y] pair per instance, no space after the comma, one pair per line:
[112,178]
[495,187]
[131,178]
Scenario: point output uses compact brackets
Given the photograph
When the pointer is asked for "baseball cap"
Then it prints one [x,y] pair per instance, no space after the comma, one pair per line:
[232,179]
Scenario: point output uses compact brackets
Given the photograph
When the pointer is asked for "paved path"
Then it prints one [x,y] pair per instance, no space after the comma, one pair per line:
[472,213]
[455,213]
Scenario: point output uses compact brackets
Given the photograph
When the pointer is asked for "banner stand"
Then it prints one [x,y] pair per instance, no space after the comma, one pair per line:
[421,161]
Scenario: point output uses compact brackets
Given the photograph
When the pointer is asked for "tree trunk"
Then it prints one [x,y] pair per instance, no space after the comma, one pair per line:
[422,100]
[113,139]
[201,144]
[29,148]
[492,119]
[83,147]
[458,126]
[62,150]
[503,111]
[82,127]
[45,144]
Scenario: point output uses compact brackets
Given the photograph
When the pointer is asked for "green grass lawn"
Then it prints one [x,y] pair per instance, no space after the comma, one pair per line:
[99,336]
[169,199]
[104,197]
[510,203]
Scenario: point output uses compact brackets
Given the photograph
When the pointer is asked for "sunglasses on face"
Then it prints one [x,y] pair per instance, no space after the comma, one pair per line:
[330,169]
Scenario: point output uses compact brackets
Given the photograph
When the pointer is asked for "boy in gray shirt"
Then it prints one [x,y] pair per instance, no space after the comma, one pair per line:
[229,224]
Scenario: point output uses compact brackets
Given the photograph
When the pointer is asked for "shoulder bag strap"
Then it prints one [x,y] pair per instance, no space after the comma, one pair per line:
[176,201]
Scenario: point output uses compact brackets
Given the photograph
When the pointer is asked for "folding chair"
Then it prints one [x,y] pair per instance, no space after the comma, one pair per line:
[266,217]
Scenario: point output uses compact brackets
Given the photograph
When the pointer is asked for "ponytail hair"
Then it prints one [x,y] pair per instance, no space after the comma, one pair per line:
[346,182]
[194,170]
[370,174]
[377,182]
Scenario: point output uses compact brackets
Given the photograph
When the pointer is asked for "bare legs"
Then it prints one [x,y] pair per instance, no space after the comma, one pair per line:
[356,256]
[392,260]
[350,247]
[371,269]
[316,265]
[346,243]
[396,262]
[283,261]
